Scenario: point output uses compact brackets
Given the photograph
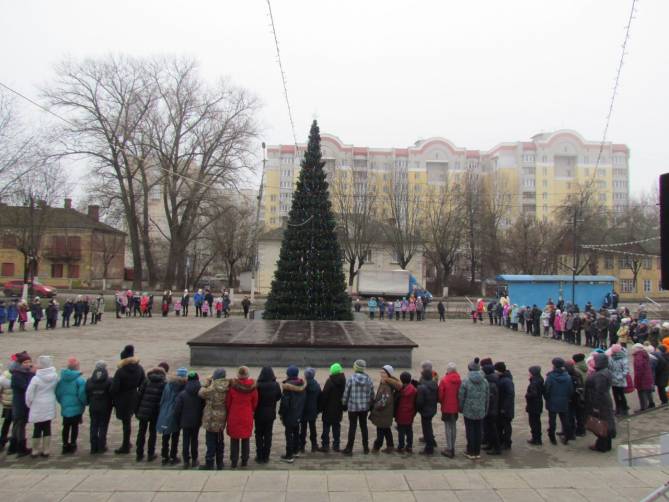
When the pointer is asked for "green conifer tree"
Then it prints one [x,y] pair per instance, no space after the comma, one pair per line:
[309,281]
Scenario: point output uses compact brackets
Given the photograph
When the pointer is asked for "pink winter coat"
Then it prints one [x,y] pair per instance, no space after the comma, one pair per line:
[557,324]
[643,374]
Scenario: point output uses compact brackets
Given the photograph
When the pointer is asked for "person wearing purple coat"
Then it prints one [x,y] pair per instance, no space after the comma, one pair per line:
[643,377]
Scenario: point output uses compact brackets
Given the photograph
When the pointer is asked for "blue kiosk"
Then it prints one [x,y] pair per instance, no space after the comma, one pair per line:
[536,289]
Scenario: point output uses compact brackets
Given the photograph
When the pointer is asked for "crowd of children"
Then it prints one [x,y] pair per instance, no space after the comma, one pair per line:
[17,311]
[411,307]
[175,407]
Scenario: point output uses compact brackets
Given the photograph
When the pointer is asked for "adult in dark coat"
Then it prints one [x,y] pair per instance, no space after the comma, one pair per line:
[427,399]
[331,407]
[310,413]
[490,432]
[36,312]
[558,392]
[148,408]
[22,373]
[127,380]
[98,395]
[269,393]
[662,372]
[598,401]
[534,399]
[291,410]
[507,399]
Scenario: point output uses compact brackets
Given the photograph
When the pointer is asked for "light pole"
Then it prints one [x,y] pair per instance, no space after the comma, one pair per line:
[254,266]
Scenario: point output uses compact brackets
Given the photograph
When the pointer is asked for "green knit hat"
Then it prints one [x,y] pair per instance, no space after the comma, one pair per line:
[336,369]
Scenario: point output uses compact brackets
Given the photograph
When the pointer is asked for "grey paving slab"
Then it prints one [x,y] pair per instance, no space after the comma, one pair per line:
[519,495]
[226,481]
[347,483]
[307,497]
[307,482]
[426,480]
[598,494]
[21,480]
[435,496]
[465,480]
[650,476]
[86,497]
[184,482]
[267,481]
[263,496]
[477,496]
[351,496]
[176,497]
[633,493]
[64,482]
[132,497]
[393,497]
[32,496]
[221,496]
[386,481]
[503,479]
[561,494]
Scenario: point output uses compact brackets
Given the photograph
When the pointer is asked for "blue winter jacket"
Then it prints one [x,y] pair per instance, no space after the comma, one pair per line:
[3,314]
[167,423]
[12,312]
[558,390]
[198,298]
[71,393]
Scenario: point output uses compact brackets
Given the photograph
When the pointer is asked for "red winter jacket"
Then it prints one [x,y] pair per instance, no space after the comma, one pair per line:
[643,374]
[241,403]
[406,406]
[449,386]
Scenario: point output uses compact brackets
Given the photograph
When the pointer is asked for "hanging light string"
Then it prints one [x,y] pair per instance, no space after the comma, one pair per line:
[283,74]
[619,244]
[615,251]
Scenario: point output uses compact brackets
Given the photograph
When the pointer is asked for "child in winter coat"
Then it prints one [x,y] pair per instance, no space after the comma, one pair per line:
[23,315]
[98,396]
[167,424]
[291,410]
[177,308]
[12,314]
[643,376]
[269,393]
[3,315]
[383,409]
[241,403]
[22,373]
[405,413]
[71,395]
[357,399]
[310,412]
[41,399]
[6,404]
[449,386]
[205,309]
[473,399]
[426,404]
[215,394]
[68,308]
[534,403]
[331,408]
[188,409]
[218,305]
[148,408]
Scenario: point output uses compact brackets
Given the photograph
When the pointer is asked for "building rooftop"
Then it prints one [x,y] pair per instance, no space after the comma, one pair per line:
[554,278]
[58,217]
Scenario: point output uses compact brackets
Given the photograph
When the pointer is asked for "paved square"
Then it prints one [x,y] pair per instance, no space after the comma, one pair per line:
[157,339]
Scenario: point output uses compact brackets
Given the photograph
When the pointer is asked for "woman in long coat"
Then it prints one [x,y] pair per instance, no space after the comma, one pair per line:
[598,402]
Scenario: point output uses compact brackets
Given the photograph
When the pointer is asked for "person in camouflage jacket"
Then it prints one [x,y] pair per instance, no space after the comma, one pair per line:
[214,392]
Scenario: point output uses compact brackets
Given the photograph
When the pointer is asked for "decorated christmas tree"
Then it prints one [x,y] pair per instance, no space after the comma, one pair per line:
[309,280]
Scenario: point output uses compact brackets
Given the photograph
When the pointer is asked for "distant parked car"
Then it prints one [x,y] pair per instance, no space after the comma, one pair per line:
[15,288]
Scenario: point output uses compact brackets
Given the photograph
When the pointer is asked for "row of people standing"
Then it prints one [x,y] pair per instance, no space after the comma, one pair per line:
[20,312]
[413,307]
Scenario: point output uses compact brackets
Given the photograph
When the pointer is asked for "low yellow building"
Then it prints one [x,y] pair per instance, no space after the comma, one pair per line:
[69,249]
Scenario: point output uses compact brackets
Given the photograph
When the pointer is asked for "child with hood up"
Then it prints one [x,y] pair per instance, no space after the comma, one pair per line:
[6,403]
[383,409]
[167,425]
[71,395]
[98,396]
[427,398]
[310,413]
[215,394]
[188,409]
[22,372]
[331,408]
[3,315]
[241,404]
[41,399]
[449,386]
[291,410]
[148,408]
[12,314]
[405,413]
[269,393]
[534,404]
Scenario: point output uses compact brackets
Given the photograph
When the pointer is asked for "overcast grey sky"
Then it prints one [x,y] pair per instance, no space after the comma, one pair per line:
[386,73]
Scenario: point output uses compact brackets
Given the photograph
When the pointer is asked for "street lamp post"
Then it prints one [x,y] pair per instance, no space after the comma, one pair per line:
[254,266]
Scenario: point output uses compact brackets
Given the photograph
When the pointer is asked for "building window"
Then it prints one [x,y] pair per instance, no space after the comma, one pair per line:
[7,269]
[646,286]
[273,197]
[608,262]
[56,270]
[544,183]
[627,285]
[368,256]
[647,262]
[73,271]
[602,197]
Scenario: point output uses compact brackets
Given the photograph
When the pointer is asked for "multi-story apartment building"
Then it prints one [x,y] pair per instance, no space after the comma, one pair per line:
[537,175]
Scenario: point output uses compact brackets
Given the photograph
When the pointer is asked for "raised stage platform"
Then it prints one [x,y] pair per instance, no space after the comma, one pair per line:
[236,342]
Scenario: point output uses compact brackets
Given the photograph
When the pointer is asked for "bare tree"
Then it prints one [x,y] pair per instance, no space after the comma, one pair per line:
[402,228]
[201,138]
[106,101]
[233,240]
[355,207]
[444,212]
[495,205]
[16,147]
[109,245]
[529,247]
[472,190]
